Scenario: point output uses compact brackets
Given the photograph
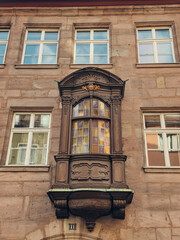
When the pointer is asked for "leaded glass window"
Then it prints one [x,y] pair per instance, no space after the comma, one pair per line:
[91,127]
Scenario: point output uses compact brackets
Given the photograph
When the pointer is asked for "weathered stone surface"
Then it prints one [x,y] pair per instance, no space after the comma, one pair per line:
[36,188]
[40,208]
[153,218]
[37,235]
[11,207]
[174,217]
[163,233]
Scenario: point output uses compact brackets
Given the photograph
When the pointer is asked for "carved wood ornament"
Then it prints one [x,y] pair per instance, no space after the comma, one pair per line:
[90,185]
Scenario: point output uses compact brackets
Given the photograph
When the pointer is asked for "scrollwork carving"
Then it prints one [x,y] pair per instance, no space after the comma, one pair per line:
[91,77]
[94,171]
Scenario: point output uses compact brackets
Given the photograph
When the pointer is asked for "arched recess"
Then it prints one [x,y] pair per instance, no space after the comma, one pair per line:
[91,184]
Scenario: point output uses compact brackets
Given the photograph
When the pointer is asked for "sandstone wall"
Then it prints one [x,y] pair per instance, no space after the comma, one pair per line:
[25,209]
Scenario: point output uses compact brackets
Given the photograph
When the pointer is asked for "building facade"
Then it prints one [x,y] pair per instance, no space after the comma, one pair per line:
[90,120]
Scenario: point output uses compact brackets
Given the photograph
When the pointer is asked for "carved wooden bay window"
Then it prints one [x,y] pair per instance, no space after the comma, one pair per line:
[90,170]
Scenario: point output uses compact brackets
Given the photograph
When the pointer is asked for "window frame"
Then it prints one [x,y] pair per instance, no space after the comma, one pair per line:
[154,42]
[90,118]
[91,42]
[29,130]
[164,131]
[4,42]
[40,42]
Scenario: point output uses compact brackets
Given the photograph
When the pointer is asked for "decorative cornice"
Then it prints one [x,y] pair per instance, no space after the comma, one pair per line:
[80,3]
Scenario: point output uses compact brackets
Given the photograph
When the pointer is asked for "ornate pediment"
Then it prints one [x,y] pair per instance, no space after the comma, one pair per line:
[90,74]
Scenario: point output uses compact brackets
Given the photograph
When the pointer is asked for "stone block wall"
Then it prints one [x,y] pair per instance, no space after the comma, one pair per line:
[25,210]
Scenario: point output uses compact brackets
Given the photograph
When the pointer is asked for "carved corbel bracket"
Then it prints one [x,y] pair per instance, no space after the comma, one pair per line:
[119,208]
[62,210]
[90,204]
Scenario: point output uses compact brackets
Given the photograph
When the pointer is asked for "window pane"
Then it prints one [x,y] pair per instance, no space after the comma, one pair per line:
[100,109]
[4,35]
[82,60]
[80,136]
[32,49]
[83,49]
[146,52]
[34,35]
[154,141]
[100,35]
[152,121]
[162,33]
[100,48]
[1,60]
[49,60]
[164,52]
[51,36]
[156,158]
[82,109]
[18,148]
[100,137]
[22,120]
[49,49]
[30,60]
[2,48]
[174,158]
[42,120]
[83,35]
[144,34]
[155,149]
[173,141]
[172,121]
[38,148]
[100,60]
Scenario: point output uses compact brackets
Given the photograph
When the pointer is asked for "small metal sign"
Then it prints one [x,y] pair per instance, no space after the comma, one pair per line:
[72,226]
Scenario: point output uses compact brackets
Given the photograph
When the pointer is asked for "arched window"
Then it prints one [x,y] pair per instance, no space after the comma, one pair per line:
[91,127]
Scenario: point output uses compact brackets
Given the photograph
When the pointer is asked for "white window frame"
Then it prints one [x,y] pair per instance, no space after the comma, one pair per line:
[154,41]
[4,42]
[164,131]
[40,42]
[29,130]
[92,42]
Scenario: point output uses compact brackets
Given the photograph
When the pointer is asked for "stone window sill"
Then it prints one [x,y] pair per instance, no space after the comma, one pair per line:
[157,65]
[24,168]
[161,169]
[79,66]
[36,66]
[2,66]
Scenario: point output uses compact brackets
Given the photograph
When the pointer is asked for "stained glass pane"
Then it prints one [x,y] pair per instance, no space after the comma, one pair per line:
[100,137]
[82,109]
[80,136]
[100,109]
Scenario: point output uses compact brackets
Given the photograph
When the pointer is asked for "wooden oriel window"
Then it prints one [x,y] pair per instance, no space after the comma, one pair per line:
[91,127]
